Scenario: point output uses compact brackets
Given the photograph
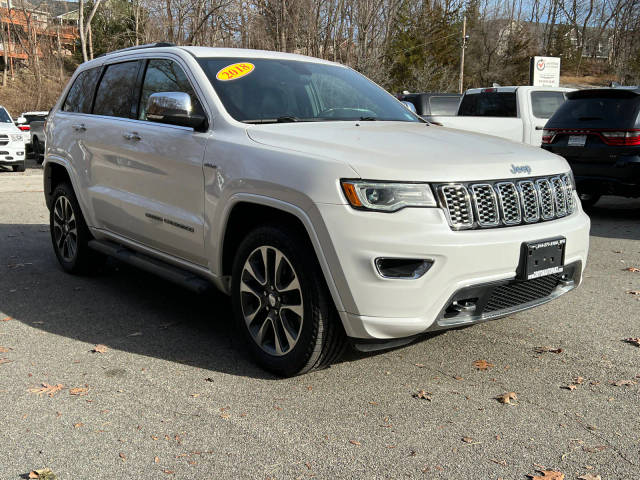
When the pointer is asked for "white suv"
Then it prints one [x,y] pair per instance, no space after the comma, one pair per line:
[325,208]
[12,143]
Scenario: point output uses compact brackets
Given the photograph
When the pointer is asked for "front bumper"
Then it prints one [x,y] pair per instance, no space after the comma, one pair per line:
[11,155]
[384,308]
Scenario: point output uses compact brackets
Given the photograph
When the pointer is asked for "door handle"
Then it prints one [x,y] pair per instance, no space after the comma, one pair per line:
[132,136]
[79,127]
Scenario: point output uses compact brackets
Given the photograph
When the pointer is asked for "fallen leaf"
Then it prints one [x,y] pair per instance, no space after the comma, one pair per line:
[156,459]
[6,319]
[169,472]
[42,474]
[5,360]
[597,448]
[570,387]
[548,350]
[467,440]
[482,364]
[620,383]
[635,341]
[50,390]
[633,269]
[419,365]
[634,292]
[578,380]
[589,476]
[78,425]
[195,395]
[122,456]
[507,397]
[422,395]
[547,475]
[4,349]
[78,391]
[499,462]
[99,348]
[355,442]
[458,378]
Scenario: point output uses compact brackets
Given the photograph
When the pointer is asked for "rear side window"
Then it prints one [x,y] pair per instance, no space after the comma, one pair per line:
[545,104]
[165,76]
[598,112]
[115,96]
[81,92]
[444,105]
[489,104]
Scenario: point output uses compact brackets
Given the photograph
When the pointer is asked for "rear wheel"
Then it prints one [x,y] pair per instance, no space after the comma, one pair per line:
[588,200]
[19,168]
[282,307]
[69,233]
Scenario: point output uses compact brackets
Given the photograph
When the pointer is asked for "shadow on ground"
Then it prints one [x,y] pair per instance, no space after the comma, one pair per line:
[121,307]
[616,217]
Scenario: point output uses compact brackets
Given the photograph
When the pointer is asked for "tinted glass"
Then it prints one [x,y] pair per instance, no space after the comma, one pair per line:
[165,76]
[545,104]
[303,91]
[489,104]
[597,113]
[35,118]
[4,116]
[116,91]
[81,92]
[444,105]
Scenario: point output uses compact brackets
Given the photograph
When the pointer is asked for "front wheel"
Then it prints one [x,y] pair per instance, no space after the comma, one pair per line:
[282,307]
[37,149]
[588,200]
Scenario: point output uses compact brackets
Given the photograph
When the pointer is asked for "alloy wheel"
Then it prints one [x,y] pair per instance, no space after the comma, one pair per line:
[65,231]
[271,300]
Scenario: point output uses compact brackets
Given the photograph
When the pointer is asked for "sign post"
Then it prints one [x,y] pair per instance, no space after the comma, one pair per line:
[544,71]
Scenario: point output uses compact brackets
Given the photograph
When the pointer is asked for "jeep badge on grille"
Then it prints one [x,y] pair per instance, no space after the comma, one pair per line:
[520,169]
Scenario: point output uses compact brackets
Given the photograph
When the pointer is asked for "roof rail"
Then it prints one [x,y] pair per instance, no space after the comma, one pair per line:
[138,47]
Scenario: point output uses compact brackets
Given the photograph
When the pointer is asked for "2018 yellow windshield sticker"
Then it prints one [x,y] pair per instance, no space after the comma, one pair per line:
[235,71]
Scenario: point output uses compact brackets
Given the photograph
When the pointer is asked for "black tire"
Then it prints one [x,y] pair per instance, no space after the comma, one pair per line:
[19,168]
[82,259]
[321,339]
[36,148]
[588,200]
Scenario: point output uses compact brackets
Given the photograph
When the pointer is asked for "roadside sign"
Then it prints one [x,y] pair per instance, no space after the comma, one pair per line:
[544,71]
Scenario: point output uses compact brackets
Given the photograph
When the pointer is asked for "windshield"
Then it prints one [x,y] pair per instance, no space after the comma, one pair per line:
[274,91]
[4,116]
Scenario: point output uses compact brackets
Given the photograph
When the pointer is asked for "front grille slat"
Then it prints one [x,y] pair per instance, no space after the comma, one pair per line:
[507,203]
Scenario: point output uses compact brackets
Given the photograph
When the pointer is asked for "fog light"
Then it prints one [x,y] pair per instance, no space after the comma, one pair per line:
[20,153]
[407,268]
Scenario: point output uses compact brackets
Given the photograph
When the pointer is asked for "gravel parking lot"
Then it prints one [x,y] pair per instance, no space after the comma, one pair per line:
[171,396]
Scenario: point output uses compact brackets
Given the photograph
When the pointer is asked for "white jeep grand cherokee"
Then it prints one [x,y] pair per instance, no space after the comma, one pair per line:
[324,207]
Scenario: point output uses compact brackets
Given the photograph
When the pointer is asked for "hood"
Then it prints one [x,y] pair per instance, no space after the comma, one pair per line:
[9,128]
[404,151]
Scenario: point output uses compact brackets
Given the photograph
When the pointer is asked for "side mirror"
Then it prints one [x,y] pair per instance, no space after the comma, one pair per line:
[21,120]
[410,106]
[174,108]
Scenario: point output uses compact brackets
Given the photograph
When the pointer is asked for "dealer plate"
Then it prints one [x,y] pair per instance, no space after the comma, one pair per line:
[541,258]
[577,140]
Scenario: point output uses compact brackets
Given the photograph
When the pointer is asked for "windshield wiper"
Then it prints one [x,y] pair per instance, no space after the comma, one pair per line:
[369,119]
[282,119]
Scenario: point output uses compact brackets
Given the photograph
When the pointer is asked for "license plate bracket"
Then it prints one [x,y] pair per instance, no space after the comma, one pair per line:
[541,258]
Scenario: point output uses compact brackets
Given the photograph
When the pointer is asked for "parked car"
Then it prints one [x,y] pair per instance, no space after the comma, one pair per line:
[12,143]
[323,207]
[514,113]
[433,104]
[33,122]
[598,132]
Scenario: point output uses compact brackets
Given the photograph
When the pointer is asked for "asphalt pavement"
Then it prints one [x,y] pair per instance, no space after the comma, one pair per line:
[173,396]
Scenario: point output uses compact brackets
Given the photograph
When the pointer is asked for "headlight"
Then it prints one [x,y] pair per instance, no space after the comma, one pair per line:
[387,197]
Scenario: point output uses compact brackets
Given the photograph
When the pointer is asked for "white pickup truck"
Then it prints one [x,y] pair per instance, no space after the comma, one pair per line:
[514,113]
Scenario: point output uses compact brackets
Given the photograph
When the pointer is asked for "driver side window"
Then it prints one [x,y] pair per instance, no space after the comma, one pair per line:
[165,76]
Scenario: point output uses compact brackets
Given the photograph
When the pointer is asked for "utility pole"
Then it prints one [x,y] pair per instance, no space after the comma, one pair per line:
[465,37]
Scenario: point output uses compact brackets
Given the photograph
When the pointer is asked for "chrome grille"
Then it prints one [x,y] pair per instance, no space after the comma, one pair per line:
[458,204]
[507,203]
[530,202]
[486,203]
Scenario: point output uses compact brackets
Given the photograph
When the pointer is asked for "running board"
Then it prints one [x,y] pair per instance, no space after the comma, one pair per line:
[152,265]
